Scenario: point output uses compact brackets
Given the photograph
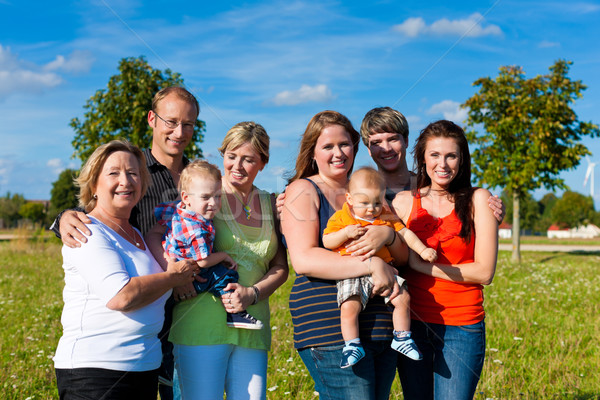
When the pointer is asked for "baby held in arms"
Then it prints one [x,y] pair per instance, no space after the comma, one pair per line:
[365,205]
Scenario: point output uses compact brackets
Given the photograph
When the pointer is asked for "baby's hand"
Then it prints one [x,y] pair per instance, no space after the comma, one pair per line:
[355,231]
[429,254]
[228,261]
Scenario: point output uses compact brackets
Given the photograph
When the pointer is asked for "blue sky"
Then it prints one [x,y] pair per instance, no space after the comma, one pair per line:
[277,63]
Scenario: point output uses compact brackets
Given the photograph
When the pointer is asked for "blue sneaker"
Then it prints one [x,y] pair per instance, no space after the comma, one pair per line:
[351,354]
[243,320]
[405,345]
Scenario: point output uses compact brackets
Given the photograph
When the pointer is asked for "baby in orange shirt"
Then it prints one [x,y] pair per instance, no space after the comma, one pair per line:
[365,205]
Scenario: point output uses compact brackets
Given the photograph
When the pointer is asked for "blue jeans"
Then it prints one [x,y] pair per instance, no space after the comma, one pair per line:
[370,379]
[217,277]
[452,361]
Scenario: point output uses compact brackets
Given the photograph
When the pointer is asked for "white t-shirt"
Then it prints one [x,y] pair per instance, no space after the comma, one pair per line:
[93,335]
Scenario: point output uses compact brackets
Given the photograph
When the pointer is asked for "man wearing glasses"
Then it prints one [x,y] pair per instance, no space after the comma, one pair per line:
[172,119]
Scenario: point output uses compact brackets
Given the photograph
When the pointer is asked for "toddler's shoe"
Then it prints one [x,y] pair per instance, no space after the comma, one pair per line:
[351,354]
[407,346]
[243,320]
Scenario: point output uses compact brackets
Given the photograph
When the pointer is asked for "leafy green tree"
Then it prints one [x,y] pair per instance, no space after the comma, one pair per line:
[572,210]
[530,132]
[34,212]
[9,209]
[120,111]
[530,209]
[64,192]
[546,204]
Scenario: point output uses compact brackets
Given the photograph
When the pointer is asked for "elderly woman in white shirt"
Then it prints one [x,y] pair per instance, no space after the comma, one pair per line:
[114,289]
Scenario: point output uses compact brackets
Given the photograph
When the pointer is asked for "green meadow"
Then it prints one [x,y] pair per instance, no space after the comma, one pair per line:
[543,325]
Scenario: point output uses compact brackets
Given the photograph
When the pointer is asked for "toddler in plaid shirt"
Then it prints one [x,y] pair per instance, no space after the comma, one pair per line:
[365,205]
[190,234]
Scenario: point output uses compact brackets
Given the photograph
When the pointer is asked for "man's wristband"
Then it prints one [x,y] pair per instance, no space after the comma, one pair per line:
[256,294]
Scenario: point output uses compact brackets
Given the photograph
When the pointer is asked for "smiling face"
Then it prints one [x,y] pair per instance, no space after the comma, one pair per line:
[171,142]
[388,150]
[442,161]
[241,166]
[203,196]
[334,152]
[119,185]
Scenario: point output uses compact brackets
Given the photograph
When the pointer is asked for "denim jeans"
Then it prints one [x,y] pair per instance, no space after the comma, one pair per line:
[217,277]
[452,361]
[370,379]
[98,384]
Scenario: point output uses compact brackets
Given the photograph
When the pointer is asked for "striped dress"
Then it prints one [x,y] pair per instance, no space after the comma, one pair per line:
[314,309]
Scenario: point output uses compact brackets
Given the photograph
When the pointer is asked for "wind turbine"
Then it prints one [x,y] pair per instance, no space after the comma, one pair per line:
[590,174]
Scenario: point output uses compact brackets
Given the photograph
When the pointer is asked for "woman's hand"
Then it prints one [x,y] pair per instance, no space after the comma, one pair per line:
[185,292]
[383,276]
[72,228]
[238,298]
[183,272]
[371,242]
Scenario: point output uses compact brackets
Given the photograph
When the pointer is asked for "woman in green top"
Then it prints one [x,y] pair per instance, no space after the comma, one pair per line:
[210,357]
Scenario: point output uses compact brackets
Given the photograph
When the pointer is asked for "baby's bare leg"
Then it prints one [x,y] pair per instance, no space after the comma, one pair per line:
[401,313]
[349,311]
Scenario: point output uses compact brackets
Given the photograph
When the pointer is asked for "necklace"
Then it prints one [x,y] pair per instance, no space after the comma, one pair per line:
[245,206]
[134,239]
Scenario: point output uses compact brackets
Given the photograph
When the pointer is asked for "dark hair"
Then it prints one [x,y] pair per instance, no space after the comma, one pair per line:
[460,188]
[304,163]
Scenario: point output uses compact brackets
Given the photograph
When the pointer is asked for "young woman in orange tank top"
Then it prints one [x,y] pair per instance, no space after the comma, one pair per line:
[454,218]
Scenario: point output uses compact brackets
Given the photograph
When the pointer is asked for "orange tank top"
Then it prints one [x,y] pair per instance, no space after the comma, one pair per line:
[436,300]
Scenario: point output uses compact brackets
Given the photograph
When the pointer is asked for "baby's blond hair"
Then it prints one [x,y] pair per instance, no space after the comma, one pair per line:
[198,168]
[366,177]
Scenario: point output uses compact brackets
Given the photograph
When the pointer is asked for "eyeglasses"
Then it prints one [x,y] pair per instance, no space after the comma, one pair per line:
[186,126]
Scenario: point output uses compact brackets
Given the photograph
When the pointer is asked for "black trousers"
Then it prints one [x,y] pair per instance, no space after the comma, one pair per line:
[106,384]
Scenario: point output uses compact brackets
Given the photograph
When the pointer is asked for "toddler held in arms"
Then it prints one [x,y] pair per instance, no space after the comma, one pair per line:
[190,234]
[365,205]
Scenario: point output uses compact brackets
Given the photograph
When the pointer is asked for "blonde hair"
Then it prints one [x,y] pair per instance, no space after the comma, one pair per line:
[198,168]
[247,132]
[366,177]
[88,177]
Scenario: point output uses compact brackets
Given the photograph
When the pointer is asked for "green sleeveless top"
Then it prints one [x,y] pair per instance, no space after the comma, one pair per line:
[202,320]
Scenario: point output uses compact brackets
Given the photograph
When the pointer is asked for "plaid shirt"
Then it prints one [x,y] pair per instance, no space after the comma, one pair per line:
[188,235]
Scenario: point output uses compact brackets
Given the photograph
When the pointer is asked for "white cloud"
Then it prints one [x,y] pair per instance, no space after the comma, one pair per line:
[469,27]
[6,166]
[451,110]
[56,165]
[306,94]
[16,77]
[547,44]
[77,61]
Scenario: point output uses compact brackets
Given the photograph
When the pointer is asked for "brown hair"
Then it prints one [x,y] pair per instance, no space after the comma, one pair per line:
[198,168]
[247,132]
[304,163]
[88,177]
[381,120]
[178,91]
[460,188]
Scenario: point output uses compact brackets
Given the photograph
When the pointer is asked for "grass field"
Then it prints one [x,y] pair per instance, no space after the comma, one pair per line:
[543,324]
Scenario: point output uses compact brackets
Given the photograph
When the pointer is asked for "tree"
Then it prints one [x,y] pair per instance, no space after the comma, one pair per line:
[529,209]
[9,209]
[531,132]
[572,210]
[120,111]
[546,204]
[34,212]
[64,193]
